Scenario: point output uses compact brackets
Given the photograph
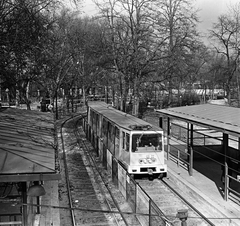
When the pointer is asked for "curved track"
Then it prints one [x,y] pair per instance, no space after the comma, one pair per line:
[91,201]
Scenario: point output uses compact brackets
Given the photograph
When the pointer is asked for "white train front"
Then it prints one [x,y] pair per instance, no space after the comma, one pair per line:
[136,144]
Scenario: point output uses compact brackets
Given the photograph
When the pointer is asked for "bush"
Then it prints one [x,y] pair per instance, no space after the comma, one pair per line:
[189,98]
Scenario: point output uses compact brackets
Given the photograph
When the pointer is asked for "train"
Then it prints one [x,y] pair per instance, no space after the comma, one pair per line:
[137,145]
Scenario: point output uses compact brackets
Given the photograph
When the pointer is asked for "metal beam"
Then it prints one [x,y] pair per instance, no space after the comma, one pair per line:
[29,177]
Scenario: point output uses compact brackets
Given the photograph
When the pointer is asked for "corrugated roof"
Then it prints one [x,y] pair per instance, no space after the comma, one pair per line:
[218,117]
[27,145]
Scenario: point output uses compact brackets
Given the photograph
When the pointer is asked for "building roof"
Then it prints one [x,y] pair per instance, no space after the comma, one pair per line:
[221,118]
[27,150]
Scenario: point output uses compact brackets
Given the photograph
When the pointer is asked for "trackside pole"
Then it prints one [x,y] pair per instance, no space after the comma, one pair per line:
[182,215]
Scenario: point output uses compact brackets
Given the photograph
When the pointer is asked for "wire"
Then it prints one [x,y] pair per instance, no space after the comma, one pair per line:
[122,212]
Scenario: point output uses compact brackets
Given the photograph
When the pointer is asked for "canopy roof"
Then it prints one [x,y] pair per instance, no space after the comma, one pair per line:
[27,150]
[218,117]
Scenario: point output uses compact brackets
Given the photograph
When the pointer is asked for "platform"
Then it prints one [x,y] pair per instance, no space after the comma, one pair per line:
[205,193]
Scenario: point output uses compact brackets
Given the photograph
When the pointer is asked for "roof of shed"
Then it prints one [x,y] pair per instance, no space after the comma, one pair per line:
[218,117]
[27,150]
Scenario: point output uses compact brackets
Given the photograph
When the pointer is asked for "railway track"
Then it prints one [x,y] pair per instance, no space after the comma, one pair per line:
[87,190]
[171,202]
[90,199]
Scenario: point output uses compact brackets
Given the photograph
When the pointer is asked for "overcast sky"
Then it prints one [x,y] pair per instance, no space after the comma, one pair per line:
[209,10]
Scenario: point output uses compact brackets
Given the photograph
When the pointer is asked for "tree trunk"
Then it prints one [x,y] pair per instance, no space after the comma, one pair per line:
[27,96]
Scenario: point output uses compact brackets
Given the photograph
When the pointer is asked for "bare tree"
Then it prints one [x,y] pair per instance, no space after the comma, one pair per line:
[226,34]
[22,31]
[135,47]
[177,21]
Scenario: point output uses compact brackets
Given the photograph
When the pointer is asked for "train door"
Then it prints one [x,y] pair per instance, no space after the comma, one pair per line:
[100,135]
[124,152]
[104,141]
[111,137]
[94,129]
[97,133]
[116,154]
[117,142]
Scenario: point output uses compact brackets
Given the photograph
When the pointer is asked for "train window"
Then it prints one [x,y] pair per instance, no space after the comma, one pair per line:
[146,142]
[94,121]
[110,131]
[117,132]
[97,122]
[123,140]
[91,117]
[127,141]
[105,127]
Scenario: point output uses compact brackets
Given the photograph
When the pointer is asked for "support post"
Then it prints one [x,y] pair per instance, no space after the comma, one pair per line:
[168,139]
[24,207]
[226,182]
[150,210]
[191,151]
[225,151]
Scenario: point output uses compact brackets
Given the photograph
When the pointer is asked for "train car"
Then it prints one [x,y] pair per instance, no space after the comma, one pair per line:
[136,144]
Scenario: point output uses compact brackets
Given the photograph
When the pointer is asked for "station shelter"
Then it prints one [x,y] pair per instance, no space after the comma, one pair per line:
[205,137]
[28,161]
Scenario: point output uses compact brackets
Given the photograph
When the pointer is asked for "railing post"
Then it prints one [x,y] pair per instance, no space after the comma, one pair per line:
[191,162]
[150,210]
[191,150]
[135,206]
[226,179]
[226,182]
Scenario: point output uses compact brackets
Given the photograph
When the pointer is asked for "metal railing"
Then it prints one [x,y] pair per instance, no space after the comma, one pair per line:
[11,219]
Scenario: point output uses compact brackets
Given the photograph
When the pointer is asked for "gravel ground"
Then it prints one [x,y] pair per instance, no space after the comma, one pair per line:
[76,156]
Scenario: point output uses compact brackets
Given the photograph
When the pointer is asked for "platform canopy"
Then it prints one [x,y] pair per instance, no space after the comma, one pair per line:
[27,148]
[218,117]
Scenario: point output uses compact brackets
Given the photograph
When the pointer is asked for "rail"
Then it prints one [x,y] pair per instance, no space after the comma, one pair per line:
[66,174]
[141,203]
[188,203]
[92,160]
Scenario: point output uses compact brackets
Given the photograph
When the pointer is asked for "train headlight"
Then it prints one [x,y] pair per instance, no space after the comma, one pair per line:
[142,161]
[149,161]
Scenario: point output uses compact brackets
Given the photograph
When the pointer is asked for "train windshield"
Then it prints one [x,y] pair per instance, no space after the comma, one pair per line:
[146,142]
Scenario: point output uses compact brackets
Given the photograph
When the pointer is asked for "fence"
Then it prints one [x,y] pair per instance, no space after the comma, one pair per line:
[206,144]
